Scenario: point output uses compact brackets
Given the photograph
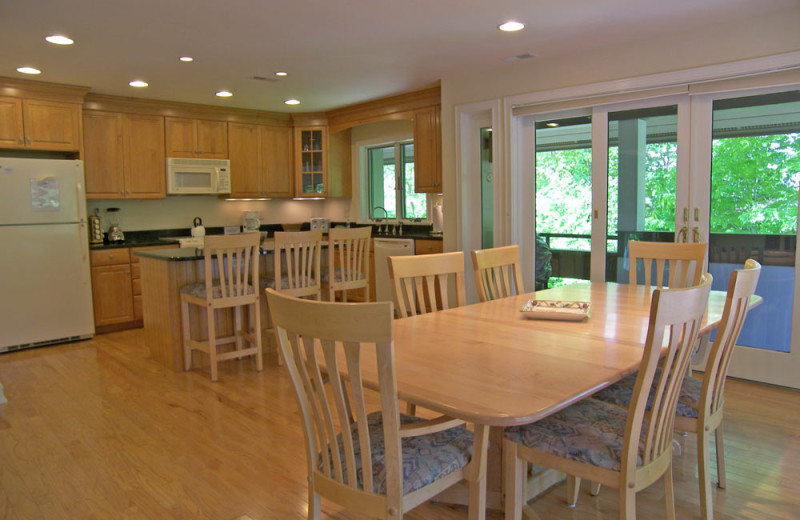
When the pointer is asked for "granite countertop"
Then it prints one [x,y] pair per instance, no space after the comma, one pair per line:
[155,237]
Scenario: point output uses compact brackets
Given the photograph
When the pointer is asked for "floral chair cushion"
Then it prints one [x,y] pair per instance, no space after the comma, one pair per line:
[198,290]
[337,275]
[426,458]
[589,431]
[270,283]
[620,394]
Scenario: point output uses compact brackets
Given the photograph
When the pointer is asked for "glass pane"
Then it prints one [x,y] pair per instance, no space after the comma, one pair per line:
[755,176]
[642,168]
[563,199]
[415,205]
[487,197]
[381,164]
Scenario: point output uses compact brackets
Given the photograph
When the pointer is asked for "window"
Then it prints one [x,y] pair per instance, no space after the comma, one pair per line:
[391,183]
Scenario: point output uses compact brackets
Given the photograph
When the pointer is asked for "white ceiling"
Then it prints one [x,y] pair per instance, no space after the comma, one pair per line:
[337,52]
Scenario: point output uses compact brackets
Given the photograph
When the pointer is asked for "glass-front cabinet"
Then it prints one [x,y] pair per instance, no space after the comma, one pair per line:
[311,162]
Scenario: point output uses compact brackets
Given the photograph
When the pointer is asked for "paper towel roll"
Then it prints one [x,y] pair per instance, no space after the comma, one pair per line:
[438,218]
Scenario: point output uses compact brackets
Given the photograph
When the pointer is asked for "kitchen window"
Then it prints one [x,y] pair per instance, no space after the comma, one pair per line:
[391,183]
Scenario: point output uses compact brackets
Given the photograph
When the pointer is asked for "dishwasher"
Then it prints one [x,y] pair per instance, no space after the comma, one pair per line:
[383,248]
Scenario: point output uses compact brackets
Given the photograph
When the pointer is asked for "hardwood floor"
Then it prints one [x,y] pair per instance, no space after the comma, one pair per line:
[96,429]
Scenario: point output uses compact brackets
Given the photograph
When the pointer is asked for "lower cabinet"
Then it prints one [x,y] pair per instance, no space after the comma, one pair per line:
[424,246]
[116,288]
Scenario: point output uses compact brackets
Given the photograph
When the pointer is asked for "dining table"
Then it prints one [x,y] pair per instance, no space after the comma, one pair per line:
[490,363]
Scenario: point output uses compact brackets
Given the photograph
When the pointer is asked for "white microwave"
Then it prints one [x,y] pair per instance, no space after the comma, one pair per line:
[198,176]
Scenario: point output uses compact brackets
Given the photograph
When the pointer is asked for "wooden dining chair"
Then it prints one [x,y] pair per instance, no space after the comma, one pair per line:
[231,281]
[628,450]
[378,463]
[297,264]
[348,261]
[700,403]
[420,283]
[676,261]
[497,272]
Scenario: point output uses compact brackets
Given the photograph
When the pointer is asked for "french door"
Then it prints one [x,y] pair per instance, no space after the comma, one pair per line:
[722,169]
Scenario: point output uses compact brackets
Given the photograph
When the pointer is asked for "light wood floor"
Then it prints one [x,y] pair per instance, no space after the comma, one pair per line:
[97,430]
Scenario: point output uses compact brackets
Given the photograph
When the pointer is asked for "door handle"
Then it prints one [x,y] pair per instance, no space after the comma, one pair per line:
[696,234]
[683,233]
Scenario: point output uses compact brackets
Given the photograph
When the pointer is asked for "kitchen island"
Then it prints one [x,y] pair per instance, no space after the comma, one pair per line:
[163,273]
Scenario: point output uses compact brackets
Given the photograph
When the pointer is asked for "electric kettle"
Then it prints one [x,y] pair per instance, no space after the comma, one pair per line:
[197,228]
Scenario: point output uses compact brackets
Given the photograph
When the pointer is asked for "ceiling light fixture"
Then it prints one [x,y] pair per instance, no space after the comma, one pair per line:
[29,70]
[292,101]
[281,74]
[186,59]
[59,39]
[511,26]
[223,93]
[138,83]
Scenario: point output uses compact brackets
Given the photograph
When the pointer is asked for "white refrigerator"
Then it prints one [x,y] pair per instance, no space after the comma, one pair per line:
[45,282]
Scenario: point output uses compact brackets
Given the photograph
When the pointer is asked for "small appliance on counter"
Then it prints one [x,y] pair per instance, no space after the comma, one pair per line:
[95,228]
[322,224]
[115,234]
[198,230]
[250,221]
[438,220]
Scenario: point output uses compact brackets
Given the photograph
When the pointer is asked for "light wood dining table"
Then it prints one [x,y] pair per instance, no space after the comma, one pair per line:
[488,364]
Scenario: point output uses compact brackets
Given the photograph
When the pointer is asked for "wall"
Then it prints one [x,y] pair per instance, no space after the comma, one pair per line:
[770,34]
[177,211]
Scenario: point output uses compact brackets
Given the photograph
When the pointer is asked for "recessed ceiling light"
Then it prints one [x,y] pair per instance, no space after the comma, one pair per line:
[511,26]
[29,70]
[281,74]
[59,39]
[138,83]
[186,58]
[224,93]
[292,101]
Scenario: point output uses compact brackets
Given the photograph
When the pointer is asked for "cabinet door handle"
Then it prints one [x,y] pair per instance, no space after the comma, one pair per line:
[21,140]
[29,140]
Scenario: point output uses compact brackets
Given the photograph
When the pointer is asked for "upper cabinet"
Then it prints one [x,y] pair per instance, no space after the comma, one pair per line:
[428,150]
[311,161]
[39,124]
[124,155]
[196,138]
[261,160]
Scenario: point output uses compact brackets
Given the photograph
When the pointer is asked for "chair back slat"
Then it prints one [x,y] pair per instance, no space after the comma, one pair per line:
[420,283]
[682,264]
[236,258]
[335,421]
[348,261]
[300,251]
[675,319]
[495,269]
[741,286]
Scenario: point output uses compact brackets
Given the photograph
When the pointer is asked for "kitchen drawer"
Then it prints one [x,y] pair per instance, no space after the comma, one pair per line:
[138,314]
[427,247]
[136,283]
[136,270]
[110,257]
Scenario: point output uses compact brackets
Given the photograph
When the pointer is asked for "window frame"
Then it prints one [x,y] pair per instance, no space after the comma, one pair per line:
[400,194]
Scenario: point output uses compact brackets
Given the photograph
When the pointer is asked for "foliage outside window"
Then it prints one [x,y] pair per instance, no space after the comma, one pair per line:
[391,183]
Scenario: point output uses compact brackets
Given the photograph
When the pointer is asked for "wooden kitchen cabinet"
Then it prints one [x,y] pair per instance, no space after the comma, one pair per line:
[427,247]
[428,150]
[111,287]
[136,279]
[261,160]
[196,138]
[39,124]
[124,156]
[311,161]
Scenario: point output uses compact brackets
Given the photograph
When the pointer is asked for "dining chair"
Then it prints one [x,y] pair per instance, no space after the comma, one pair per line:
[297,264]
[348,261]
[591,439]
[420,282]
[676,261]
[378,463]
[495,270]
[235,286]
[700,402]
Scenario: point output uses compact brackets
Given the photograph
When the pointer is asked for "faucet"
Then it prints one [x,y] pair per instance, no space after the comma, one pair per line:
[379,220]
